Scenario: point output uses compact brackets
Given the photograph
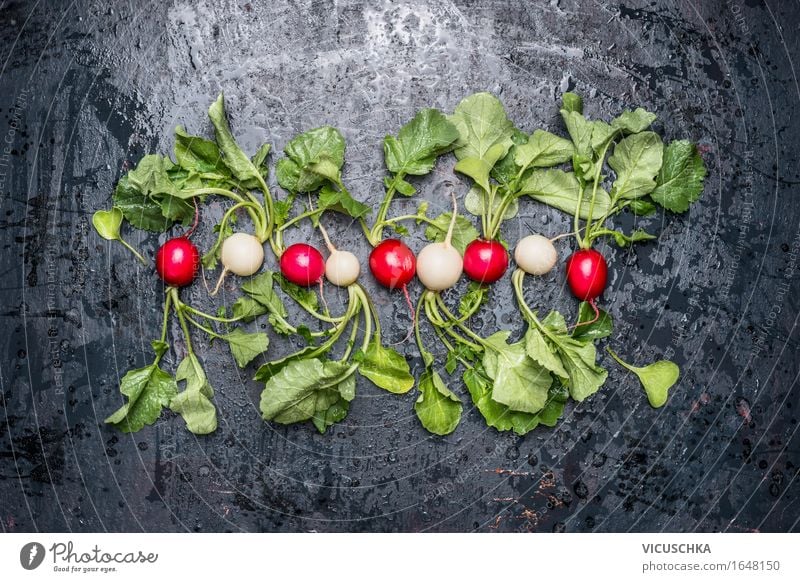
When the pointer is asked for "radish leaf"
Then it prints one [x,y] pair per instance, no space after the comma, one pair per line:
[438,409]
[418,143]
[194,402]
[680,181]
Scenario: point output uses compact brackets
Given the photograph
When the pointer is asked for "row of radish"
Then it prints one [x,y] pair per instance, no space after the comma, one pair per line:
[515,386]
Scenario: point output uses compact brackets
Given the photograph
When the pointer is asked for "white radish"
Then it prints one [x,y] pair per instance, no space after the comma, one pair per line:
[439,265]
[342,267]
[242,254]
[535,254]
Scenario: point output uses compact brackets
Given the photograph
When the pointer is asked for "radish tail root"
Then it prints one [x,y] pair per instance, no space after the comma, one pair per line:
[413,317]
[593,303]
[219,282]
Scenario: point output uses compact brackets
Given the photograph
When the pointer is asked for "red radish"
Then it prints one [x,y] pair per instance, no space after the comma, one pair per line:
[587,273]
[302,264]
[392,263]
[485,261]
[177,261]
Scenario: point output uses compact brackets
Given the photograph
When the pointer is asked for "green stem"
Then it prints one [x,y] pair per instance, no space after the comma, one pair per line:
[494,228]
[200,326]
[182,320]
[516,280]
[419,217]
[269,207]
[350,342]
[587,241]
[165,320]
[365,297]
[376,233]
[576,220]
[431,310]
[441,304]
[299,217]
[133,250]
[417,335]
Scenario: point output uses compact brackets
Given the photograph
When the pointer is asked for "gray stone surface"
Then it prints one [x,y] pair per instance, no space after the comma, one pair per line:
[87,89]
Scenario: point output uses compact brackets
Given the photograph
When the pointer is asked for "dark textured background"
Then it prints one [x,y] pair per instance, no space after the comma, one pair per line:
[87,89]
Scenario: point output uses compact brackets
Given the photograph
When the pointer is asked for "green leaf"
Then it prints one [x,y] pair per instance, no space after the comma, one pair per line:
[485,135]
[386,368]
[341,201]
[464,232]
[572,102]
[268,370]
[577,357]
[247,309]
[656,378]
[540,351]
[149,390]
[479,169]
[233,157]
[475,296]
[107,223]
[580,130]
[477,199]
[140,210]
[636,161]
[634,121]
[245,347]
[624,240]
[198,154]
[503,418]
[260,160]
[261,289]
[680,181]
[519,382]
[150,176]
[336,412]
[438,409]
[417,145]
[560,190]
[642,206]
[543,150]
[304,296]
[313,158]
[194,402]
[403,187]
[592,331]
[283,209]
[305,388]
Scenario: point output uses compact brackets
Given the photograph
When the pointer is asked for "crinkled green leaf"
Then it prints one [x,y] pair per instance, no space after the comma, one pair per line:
[560,190]
[313,158]
[680,181]
[428,135]
[636,161]
[572,102]
[464,232]
[269,369]
[386,368]
[262,290]
[247,309]
[485,132]
[198,154]
[519,382]
[232,155]
[302,295]
[245,347]
[341,201]
[503,418]
[634,121]
[194,402]
[438,409]
[149,390]
[543,150]
[304,388]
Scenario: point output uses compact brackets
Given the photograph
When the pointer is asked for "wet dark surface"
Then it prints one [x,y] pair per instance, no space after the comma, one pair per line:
[87,89]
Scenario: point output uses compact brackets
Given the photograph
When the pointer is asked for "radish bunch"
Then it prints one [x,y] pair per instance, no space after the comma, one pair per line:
[598,170]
